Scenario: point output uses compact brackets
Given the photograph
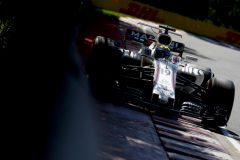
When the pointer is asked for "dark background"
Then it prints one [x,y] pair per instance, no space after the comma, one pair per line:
[36,64]
[219,12]
[224,13]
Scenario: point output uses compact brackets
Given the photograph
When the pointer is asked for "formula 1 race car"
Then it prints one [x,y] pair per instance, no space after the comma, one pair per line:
[154,76]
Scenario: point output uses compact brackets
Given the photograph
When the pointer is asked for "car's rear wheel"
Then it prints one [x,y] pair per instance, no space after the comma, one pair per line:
[220,97]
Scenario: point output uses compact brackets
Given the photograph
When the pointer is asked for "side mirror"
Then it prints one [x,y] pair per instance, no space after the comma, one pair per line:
[176,59]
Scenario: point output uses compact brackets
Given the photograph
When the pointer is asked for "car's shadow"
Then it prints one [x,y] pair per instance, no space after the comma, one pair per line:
[193,52]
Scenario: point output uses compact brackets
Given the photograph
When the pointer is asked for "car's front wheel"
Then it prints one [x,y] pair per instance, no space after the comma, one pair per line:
[220,98]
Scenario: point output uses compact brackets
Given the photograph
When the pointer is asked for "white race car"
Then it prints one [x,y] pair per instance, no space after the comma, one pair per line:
[156,78]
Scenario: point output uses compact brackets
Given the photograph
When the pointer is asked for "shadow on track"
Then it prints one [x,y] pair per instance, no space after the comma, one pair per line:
[193,52]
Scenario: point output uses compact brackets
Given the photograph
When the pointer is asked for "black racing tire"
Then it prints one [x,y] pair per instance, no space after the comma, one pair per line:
[155,99]
[104,66]
[180,54]
[207,75]
[180,45]
[221,93]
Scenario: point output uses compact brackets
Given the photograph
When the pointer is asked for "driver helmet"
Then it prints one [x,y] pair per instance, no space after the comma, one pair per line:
[163,51]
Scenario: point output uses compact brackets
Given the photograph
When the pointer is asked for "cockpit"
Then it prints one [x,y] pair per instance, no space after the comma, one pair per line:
[161,53]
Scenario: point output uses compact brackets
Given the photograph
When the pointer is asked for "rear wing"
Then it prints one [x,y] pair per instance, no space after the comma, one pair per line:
[147,39]
[163,29]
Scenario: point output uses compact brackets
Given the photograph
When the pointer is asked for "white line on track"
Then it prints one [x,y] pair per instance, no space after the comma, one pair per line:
[234,142]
